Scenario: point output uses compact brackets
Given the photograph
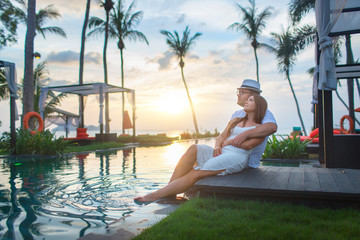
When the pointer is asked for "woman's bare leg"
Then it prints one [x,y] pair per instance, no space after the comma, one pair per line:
[178,185]
[185,164]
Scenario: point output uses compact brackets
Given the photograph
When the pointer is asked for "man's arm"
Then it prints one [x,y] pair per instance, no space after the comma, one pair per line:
[259,132]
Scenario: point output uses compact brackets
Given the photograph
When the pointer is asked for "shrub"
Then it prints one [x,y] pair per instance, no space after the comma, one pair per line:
[289,148]
[43,143]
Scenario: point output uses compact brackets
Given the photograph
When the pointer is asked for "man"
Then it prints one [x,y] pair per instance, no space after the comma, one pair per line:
[268,126]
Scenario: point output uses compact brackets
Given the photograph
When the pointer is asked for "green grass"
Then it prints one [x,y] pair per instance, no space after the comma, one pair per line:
[252,220]
[93,147]
[148,139]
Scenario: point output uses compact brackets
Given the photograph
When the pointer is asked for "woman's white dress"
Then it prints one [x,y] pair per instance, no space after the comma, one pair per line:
[232,159]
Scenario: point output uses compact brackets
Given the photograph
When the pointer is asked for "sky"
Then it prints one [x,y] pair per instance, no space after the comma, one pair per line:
[214,68]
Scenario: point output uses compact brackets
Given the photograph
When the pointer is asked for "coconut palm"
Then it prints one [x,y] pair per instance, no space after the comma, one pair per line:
[28,85]
[4,90]
[81,62]
[9,20]
[299,8]
[101,26]
[35,23]
[121,28]
[252,25]
[180,47]
[42,16]
[286,46]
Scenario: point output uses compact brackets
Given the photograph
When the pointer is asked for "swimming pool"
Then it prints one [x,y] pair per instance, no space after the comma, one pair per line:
[48,198]
[44,198]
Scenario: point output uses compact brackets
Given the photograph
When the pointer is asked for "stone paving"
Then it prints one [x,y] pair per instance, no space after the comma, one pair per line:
[133,224]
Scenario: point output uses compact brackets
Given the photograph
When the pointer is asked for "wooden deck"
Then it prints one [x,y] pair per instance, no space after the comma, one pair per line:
[319,187]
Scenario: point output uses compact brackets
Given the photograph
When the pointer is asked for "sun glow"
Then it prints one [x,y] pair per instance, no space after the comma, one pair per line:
[172,103]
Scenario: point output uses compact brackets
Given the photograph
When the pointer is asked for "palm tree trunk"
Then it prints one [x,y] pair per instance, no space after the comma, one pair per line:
[350,81]
[81,67]
[191,104]
[122,94]
[107,121]
[296,101]
[257,65]
[28,87]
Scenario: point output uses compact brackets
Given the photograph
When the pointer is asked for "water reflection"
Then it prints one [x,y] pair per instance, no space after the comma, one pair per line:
[71,196]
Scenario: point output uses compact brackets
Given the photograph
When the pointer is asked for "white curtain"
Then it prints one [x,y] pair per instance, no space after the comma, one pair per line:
[42,100]
[10,74]
[324,24]
[101,105]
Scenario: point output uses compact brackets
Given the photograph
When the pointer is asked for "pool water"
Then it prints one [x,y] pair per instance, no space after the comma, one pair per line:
[49,198]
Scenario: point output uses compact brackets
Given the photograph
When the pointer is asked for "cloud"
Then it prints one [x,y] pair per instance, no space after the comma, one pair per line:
[163,60]
[181,18]
[69,56]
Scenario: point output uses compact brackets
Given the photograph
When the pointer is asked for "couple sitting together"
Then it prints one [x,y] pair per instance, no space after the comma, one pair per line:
[239,146]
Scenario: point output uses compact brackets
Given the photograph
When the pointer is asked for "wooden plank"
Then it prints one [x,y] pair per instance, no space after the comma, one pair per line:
[296,179]
[311,180]
[214,181]
[342,182]
[257,178]
[326,180]
[281,179]
[354,176]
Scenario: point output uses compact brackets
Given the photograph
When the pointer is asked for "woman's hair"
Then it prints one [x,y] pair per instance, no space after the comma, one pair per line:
[260,110]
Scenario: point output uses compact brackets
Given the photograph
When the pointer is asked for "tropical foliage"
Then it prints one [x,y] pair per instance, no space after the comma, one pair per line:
[41,79]
[252,25]
[4,90]
[8,23]
[121,26]
[35,24]
[180,47]
[42,16]
[43,143]
[286,148]
[286,46]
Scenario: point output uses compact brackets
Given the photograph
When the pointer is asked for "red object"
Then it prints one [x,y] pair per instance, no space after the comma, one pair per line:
[357,109]
[351,123]
[126,121]
[27,118]
[81,133]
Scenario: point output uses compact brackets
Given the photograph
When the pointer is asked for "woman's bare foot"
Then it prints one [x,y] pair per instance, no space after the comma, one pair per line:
[145,198]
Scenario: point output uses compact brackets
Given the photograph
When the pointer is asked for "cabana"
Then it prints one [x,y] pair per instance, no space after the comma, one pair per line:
[10,75]
[334,18]
[90,89]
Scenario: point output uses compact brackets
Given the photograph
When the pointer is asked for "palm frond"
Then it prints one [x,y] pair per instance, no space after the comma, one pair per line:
[54,30]
[299,8]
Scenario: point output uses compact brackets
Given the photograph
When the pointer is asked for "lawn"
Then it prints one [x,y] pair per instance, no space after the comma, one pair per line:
[253,220]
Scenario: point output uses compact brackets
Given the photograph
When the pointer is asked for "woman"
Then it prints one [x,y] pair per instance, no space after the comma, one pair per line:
[223,159]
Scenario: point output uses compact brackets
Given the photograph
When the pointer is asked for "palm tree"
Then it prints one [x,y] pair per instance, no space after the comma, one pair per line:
[81,62]
[286,46]
[121,27]
[9,20]
[180,48]
[252,25]
[28,85]
[35,23]
[43,15]
[101,26]
[298,9]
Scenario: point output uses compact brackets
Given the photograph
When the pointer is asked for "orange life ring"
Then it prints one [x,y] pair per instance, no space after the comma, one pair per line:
[351,123]
[38,117]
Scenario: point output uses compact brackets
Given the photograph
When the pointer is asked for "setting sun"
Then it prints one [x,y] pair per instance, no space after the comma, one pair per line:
[172,103]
